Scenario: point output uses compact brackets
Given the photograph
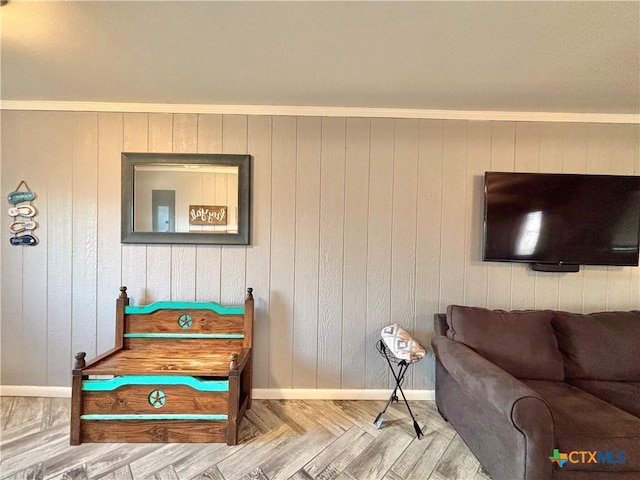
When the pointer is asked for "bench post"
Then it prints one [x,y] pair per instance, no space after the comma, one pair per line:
[76,398]
[247,374]
[234,402]
[122,302]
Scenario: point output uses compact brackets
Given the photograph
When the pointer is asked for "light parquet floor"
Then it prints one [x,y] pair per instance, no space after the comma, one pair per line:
[279,440]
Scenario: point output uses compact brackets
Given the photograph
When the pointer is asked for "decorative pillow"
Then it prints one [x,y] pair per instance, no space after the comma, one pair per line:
[600,346]
[521,342]
[401,344]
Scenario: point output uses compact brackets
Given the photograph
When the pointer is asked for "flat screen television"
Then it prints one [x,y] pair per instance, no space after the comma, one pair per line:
[561,220]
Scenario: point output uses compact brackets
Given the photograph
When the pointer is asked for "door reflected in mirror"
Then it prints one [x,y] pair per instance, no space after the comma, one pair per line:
[185,198]
[163,210]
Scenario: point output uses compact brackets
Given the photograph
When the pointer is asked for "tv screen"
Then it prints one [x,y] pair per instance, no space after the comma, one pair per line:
[562,219]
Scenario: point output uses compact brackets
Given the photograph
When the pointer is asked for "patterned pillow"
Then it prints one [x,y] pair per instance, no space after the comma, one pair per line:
[401,344]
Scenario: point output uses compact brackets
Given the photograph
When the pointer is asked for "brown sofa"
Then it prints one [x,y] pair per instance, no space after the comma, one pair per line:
[523,388]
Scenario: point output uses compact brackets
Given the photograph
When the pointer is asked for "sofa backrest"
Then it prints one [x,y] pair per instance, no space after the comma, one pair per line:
[521,342]
[599,346]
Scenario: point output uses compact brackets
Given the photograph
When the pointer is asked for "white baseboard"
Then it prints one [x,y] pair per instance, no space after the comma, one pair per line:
[33,391]
[335,394]
[258,393]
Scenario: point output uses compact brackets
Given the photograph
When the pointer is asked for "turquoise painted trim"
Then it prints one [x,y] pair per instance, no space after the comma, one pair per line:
[184,335]
[220,309]
[117,382]
[153,416]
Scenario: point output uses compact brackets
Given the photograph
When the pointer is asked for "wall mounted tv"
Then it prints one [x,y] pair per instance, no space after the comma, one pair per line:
[558,222]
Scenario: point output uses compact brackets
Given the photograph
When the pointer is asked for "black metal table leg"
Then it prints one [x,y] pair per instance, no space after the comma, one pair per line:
[399,378]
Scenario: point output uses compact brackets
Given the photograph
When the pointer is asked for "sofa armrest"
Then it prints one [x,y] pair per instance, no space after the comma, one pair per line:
[521,417]
[480,377]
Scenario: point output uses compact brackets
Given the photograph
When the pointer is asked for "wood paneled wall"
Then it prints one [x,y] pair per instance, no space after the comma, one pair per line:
[357,223]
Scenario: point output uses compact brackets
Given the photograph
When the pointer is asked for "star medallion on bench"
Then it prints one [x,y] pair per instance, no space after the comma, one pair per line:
[185,321]
[157,398]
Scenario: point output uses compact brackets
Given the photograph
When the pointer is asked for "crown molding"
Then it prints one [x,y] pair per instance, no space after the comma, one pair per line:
[318,111]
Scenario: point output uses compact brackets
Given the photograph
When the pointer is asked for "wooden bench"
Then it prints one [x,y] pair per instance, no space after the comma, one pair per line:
[179,372]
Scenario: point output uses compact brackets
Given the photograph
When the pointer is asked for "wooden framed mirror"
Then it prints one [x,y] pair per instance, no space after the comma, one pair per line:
[186,198]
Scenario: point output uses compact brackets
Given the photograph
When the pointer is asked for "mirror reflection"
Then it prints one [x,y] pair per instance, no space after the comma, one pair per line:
[189,198]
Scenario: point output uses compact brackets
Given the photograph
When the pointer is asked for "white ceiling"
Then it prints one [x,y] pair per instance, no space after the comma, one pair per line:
[501,56]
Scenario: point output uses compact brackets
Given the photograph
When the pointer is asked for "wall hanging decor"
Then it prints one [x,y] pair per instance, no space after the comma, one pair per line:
[22,212]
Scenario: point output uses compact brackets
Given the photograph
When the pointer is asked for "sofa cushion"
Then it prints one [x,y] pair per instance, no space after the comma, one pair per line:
[522,343]
[624,395]
[600,346]
[584,423]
